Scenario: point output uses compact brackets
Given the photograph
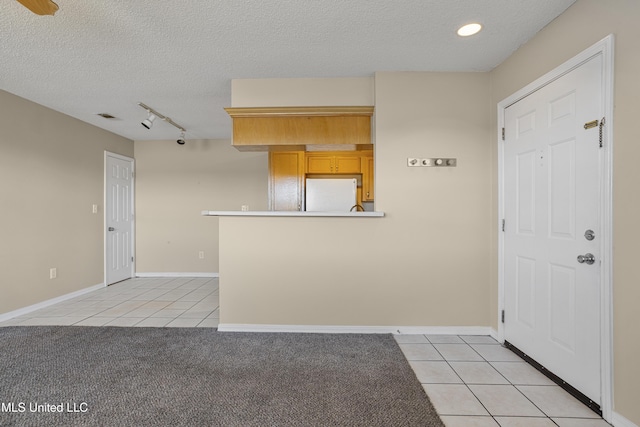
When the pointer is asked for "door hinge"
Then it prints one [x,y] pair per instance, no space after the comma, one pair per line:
[131,259]
[503,224]
[502,316]
[503,134]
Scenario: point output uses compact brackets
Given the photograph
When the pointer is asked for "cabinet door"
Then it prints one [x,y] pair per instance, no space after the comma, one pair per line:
[286,175]
[320,164]
[367,179]
[347,164]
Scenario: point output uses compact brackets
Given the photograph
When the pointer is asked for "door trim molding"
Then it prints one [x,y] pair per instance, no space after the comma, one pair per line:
[604,47]
[133,216]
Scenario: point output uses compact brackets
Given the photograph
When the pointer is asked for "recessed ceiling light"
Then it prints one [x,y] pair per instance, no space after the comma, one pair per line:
[469,29]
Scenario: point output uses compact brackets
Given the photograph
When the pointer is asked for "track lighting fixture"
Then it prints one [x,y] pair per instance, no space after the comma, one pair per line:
[148,122]
[153,114]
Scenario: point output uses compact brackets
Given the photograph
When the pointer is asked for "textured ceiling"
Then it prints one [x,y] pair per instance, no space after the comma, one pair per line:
[179,56]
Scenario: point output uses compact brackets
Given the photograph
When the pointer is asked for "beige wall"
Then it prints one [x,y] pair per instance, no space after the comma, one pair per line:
[582,25]
[51,173]
[174,183]
[302,92]
[400,270]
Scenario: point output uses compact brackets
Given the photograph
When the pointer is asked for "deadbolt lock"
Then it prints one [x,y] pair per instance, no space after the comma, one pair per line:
[589,235]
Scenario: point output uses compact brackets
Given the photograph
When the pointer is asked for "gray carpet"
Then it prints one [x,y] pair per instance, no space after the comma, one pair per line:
[112,376]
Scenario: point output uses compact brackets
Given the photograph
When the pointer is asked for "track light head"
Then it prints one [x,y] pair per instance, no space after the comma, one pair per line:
[181,140]
[148,122]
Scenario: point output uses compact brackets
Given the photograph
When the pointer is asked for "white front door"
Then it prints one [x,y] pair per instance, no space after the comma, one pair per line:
[118,218]
[551,201]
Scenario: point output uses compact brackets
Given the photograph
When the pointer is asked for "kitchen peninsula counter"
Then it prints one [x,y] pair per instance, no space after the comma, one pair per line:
[311,269]
[294,214]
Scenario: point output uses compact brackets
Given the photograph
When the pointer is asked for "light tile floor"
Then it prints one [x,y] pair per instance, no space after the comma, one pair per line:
[473,381]
[156,302]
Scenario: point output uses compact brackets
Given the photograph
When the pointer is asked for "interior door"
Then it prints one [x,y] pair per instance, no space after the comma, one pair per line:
[118,218]
[552,219]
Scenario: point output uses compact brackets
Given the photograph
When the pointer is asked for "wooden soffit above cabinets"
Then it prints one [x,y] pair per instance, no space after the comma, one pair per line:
[301,128]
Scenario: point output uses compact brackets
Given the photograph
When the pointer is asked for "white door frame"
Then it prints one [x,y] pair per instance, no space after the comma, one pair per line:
[133,209]
[605,48]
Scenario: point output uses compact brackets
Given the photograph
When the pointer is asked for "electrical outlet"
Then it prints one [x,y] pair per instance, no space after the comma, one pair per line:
[53,273]
[201,255]
[412,161]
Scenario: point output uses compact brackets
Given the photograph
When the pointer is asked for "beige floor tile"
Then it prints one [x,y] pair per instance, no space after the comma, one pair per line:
[467,421]
[155,304]
[16,321]
[411,338]
[121,309]
[524,422]
[195,314]
[420,352]
[183,323]
[173,295]
[208,323]
[581,422]
[478,339]
[504,400]
[193,296]
[458,352]
[496,353]
[454,399]
[142,312]
[429,372]
[165,312]
[124,321]
[95,321]
[478,373]
[521,373]
[51,321]
[156,322]
[444,339]
[86,312]
[555,402]
[181,305]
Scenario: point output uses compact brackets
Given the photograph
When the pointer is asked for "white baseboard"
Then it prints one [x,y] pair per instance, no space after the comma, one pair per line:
[619,421]
[338,329]
[152,274]
[49,302]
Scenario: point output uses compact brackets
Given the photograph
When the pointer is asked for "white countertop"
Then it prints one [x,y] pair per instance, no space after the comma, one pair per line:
[295,214]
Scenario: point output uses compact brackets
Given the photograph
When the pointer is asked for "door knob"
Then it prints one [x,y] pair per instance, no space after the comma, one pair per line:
[586,258]
[111,229]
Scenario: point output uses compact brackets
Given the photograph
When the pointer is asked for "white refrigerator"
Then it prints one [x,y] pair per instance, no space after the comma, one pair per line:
[330,195]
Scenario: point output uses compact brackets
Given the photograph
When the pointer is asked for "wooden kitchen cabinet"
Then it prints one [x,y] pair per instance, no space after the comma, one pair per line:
[260,128]
[288,170]
[330,163]
[286,180]
[367,178]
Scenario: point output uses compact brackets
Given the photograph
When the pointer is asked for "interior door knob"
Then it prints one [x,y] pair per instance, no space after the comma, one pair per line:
[586,258]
